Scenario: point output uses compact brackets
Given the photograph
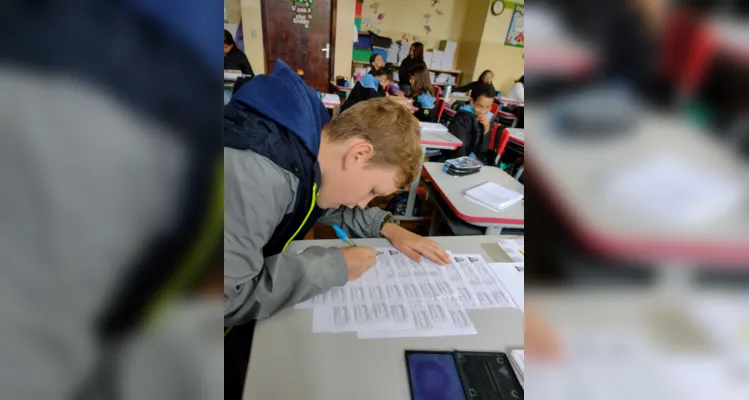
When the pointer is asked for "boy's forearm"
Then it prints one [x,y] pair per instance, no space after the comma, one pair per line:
[357,222]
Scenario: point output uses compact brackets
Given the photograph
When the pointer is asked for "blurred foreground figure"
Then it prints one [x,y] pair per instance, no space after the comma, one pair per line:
[110,200]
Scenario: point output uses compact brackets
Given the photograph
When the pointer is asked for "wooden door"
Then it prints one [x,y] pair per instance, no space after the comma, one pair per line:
[286,37]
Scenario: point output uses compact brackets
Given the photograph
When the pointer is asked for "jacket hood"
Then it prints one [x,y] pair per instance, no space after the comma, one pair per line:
[285,99]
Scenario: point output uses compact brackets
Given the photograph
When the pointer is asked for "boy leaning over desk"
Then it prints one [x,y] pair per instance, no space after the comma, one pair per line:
[287,167]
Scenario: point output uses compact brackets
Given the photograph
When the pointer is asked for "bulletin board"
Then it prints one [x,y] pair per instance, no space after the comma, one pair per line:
[515,33]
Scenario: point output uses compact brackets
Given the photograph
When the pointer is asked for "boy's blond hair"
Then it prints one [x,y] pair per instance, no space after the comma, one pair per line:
[390,127]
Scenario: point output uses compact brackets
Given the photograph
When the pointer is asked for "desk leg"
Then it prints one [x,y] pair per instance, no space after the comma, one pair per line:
[493,231]
[414,187]
[434,226]
[676,278]
[519,172]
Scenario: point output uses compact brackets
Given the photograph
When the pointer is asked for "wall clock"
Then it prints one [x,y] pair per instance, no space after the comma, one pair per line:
[498,7]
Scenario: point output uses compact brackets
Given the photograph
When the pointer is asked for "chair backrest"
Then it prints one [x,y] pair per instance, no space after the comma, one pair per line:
[438,102]
[437,92]
[495,108]
[447,115]
[503,139]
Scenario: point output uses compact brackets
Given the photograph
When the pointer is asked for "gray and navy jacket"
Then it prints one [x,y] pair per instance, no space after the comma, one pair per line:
[111,115]
[272,132]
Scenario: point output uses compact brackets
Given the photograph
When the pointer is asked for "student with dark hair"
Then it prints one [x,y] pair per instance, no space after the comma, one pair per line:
[370,86]
[485,78]
[518,90]
[375,63]
[472,123]
[422,93]
[415,57]
[233,57]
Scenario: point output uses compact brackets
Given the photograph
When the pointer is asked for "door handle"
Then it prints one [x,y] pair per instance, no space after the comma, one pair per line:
[326,49]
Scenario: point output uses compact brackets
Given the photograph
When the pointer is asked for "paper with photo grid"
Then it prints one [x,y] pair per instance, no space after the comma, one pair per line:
[399,297]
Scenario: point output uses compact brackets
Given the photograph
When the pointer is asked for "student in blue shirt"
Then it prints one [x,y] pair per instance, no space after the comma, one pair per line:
[369,86]
[472,123]
[422,93]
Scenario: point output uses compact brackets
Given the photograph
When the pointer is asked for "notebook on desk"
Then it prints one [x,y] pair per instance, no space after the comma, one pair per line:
[433,126]
[330,98]
[493,196]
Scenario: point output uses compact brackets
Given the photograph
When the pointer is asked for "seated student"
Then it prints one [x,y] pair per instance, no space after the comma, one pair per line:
[422,93]
[518,90]
[375,63]
[472,123]
[233,57]
[287,166]
[485,78]
[369,86]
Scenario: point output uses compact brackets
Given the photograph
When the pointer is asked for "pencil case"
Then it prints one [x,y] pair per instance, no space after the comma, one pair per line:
[462,166]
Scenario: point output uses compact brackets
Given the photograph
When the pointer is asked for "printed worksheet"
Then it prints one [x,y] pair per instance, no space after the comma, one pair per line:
[398,297]
[515,248]
[512,278]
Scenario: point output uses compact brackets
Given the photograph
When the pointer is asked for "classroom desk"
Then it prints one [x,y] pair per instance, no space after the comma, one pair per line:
[455,97]
[438,137]
[452,189]
[290,362]
[343,89]
[331,104]
[510,101]
[670,344]
[564,174]
[517,135]
[430,139]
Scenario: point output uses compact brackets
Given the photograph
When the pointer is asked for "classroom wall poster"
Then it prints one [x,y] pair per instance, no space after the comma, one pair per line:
[515,36]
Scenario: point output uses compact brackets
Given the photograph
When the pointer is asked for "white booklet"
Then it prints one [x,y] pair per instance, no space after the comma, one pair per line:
[493,196]
[433,126]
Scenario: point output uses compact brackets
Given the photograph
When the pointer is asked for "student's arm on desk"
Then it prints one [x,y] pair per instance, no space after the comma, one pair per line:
[256,287]
[357,222]
[366,222]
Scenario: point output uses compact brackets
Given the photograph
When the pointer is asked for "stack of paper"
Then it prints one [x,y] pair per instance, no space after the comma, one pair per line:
[451,80]
[448,54]
[402,298]
[432,77]
[687,193]
[428,57]
[436,62]
[332,99]
[517,361]
[432,127]
[493,196]
[725,321]
[392,54]
[512,277]
[442,78]
[231,75]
